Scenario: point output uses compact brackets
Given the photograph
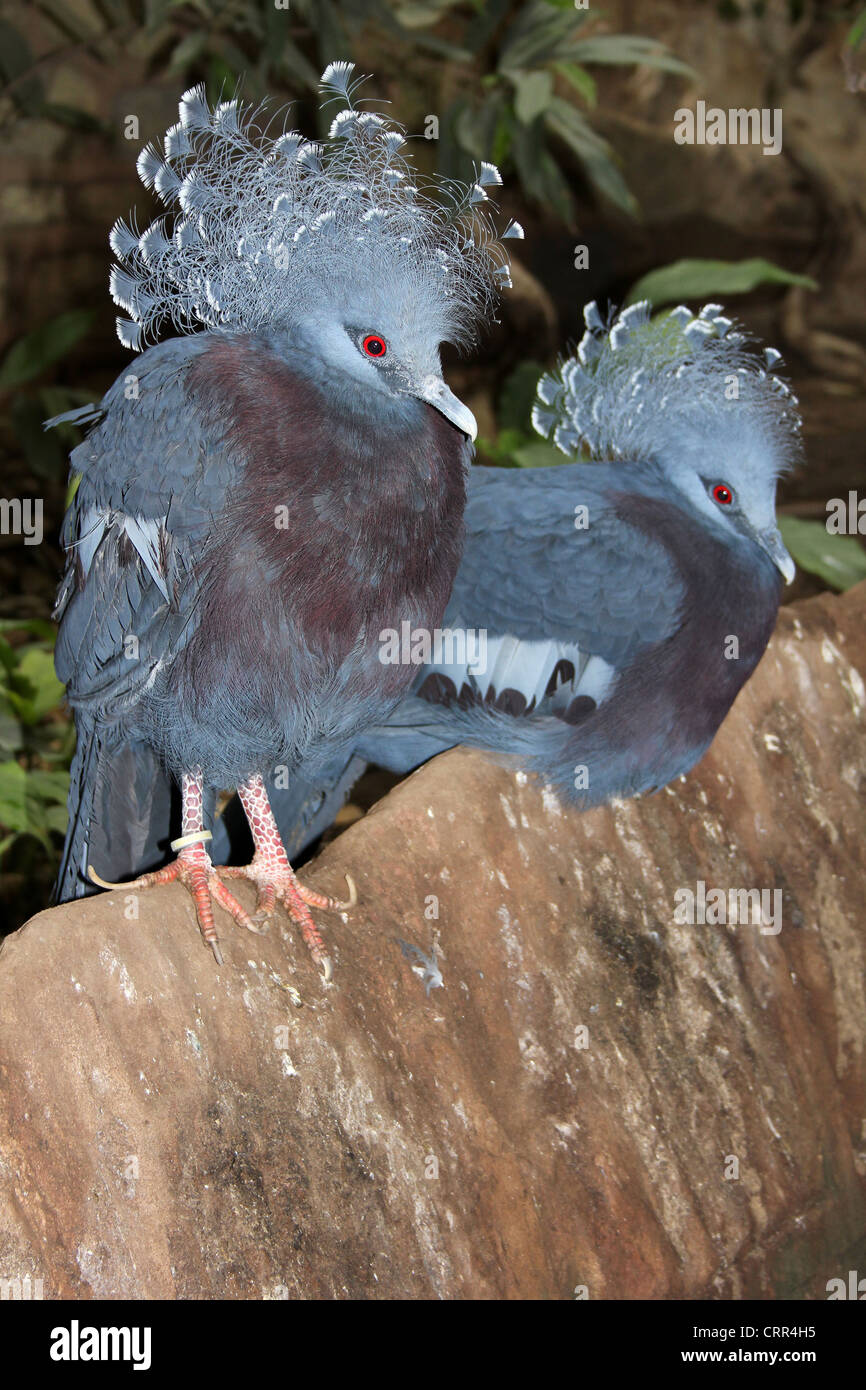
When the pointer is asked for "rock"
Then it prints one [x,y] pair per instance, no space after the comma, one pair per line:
[599,1098]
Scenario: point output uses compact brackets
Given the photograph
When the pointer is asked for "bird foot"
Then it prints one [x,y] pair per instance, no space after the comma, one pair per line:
[199,877]
[269,870]
[276,882]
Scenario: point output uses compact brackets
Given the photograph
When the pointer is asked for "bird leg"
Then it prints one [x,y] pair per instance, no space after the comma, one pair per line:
[269,869]
[275,879]
[193,868]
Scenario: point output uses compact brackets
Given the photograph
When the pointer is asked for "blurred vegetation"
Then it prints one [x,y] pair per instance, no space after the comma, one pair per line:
[23,371]
[36,740]
[839,560]
[522,69]
[512,81]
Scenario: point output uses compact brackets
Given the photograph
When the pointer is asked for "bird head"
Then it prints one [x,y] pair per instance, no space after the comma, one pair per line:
[684,394]
[333,244]
[727,472]
[385,346]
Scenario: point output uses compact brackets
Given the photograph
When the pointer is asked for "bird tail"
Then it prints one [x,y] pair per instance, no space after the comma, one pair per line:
[418,730]
[579,761]
[71,876]
[122,813]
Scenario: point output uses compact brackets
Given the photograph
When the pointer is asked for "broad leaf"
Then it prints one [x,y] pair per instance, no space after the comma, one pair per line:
[839,560]
[699,279]
[30,355]
[533,91]
[594,153]
[628,49]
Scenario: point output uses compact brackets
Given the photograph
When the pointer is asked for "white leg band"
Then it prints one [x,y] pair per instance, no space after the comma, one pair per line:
[198,837]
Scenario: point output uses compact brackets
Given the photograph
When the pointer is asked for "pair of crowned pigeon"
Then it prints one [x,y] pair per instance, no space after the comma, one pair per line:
[265,495]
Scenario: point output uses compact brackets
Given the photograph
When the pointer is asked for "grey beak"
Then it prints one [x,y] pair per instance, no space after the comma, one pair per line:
[771,542]
[436,393]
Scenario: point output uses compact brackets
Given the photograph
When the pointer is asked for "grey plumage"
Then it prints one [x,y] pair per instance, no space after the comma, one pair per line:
[267,228]
[611,589]
[258,498]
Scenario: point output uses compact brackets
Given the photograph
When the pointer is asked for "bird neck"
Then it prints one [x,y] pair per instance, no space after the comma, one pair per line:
[369,503]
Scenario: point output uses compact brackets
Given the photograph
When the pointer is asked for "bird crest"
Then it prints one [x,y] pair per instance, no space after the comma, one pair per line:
[640,386]
[262,226]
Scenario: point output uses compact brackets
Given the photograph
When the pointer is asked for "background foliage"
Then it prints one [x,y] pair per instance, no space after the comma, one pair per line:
[534,85]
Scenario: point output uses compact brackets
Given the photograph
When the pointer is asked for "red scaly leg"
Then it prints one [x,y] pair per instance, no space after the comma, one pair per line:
[193,868]
[271,871]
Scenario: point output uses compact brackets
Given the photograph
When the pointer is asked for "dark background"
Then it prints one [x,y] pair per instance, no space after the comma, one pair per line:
[577,108]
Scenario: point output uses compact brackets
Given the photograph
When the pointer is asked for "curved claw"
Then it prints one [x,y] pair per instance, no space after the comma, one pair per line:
[103,882]
[326,968]
[352,900]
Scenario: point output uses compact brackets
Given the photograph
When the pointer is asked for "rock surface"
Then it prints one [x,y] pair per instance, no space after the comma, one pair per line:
[600,1098]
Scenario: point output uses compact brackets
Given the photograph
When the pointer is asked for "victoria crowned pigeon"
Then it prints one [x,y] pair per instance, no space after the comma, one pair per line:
[262,496]
[625,601]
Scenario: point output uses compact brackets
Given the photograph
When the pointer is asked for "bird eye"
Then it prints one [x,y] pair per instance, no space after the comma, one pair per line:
[722,494]
[374,346]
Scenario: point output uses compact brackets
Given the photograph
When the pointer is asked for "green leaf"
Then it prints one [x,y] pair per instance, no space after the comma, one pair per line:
[223,75]
[839,560]
[418,16]
[538,455]
[43,450]
[582,81]
[30,355]
[857,31]
[298,68]
[57,818]
[475,127]
[490,14]
[51,787]
[37,627]
[516,400]
[539,34]
[533,91]
[538,171]
[594,153]
[72,488]
[13,797]
[696,279]
[10,729]
[32,802]
[36,689]
[628,49]
[501,145]
[187,52]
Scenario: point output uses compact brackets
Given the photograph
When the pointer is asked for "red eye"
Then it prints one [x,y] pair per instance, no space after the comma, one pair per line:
[722,494]
[374,346]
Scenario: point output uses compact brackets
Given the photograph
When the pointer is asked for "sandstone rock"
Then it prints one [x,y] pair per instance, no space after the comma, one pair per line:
[599,1097]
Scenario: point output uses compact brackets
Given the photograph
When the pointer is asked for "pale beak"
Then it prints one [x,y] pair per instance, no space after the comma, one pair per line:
[771,542]
[436,393]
